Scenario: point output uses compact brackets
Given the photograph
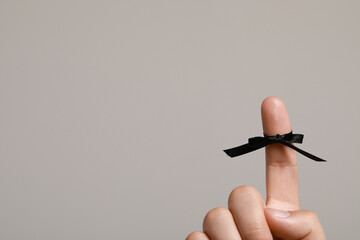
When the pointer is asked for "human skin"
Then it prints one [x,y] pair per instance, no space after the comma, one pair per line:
[248,217]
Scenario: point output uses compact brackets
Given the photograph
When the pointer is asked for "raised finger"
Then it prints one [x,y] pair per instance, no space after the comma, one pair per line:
[282,181]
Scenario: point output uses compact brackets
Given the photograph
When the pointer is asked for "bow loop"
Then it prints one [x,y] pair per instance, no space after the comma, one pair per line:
[257,141]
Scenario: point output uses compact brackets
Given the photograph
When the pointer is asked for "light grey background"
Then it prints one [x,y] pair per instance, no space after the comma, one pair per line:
[114,114]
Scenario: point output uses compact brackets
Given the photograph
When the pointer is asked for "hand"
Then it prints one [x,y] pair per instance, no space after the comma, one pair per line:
[248,217]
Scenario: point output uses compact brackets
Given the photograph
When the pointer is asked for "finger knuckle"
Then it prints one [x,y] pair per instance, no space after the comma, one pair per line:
[196,236]
[216,214]
[256,232]
[244,192]
[313,217]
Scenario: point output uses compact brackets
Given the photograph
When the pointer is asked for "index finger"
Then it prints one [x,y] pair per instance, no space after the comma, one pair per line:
[282,181]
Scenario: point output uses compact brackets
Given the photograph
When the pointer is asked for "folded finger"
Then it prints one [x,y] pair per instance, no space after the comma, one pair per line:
[219,224]
[247,207]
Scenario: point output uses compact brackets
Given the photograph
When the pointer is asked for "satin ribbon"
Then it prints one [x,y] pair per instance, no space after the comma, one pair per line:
[256,143]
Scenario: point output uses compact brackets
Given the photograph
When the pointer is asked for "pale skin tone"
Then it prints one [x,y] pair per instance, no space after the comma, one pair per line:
[248,216]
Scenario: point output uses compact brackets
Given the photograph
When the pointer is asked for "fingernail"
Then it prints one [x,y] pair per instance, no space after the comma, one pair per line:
[278,213]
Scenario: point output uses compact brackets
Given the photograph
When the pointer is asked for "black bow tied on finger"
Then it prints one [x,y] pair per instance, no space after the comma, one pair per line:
[256,143]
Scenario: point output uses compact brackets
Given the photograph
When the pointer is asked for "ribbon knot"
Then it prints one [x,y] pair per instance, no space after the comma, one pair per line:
[256,143]
[277,137]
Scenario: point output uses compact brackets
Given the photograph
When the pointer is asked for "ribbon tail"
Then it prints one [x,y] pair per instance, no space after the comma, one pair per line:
[243,149]
[309,155]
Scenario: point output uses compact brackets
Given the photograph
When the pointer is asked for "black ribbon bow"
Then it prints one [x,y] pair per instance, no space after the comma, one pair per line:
[256,143]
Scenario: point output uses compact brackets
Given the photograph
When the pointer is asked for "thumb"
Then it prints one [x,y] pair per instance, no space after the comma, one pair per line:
[293,225]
